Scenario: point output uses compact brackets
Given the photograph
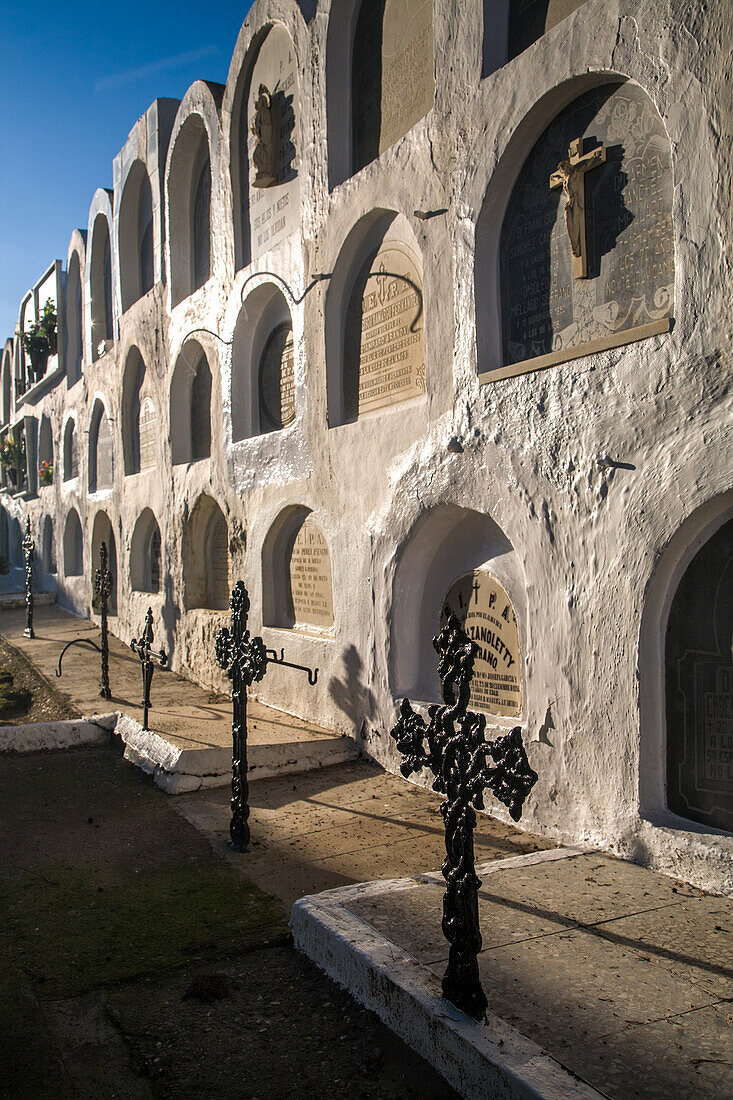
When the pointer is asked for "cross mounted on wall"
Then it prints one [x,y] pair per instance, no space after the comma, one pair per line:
[570,176]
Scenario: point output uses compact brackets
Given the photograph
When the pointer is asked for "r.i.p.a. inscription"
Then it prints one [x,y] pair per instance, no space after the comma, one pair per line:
[311,594]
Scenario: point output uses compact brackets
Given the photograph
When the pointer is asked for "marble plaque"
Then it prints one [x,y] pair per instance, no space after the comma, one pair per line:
[148,434]
[385,348]
[486,614]
[310,578]
[699,676]
[277,380]
[105,476]
[625,202]
[274,210]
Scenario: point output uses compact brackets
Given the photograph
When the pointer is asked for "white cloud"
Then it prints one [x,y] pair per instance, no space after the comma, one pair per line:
[142,72]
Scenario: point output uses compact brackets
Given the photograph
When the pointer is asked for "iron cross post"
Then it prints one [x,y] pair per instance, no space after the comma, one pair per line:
[102,589]
[149,660]
[29,551]
[453,746]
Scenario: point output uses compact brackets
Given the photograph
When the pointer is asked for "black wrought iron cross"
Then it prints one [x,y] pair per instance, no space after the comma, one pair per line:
[29,551]
[245,660]
[453,746]
[102,590]
[150,659]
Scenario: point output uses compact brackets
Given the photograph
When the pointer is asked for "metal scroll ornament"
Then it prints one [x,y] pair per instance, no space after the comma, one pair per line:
[29,552]
[453,746]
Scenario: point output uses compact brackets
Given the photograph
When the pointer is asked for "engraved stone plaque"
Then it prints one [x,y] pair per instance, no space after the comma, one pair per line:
[277,380]
[148,434]
[274,210]
[105,478]
[623,203]
[699,679]
[486,614]
[311,594]
[384,350]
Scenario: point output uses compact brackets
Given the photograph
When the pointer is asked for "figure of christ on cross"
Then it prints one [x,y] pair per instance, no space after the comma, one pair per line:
[570,175]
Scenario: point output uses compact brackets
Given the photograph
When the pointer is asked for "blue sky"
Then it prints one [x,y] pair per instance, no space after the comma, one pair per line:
[74,78]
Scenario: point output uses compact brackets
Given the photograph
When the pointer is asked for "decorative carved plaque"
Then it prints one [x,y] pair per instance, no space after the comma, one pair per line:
[385,349]
[699,675]
[148,434]
[277,379]
[274,207]
[310,578]
[105,475]
[626,288]
[486,614]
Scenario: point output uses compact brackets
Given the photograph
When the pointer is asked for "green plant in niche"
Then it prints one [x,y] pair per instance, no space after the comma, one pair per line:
[39,339]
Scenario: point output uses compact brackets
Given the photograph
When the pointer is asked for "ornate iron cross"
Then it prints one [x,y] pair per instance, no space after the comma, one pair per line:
[29,552]
[453,746]
[244,659]
[102,590]
[149,660]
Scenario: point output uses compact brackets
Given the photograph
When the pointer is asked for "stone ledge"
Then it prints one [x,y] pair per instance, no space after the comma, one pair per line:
[37,736]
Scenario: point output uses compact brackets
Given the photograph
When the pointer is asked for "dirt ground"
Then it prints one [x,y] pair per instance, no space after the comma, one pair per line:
[135,962]
[48,705]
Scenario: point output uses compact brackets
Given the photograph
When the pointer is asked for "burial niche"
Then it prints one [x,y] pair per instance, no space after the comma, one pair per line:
[48,549]
[392,74]
[73,545]
[45,452]
[189,206]
[277,380]
[101,464]
[136,236]
[268,131]
[102,532]
[139,418]
[71,454]
[486,614]
[145,554]
[206,563]
[586,251]
[101,285]
[699,687]
[309,592]
[190,408]
[73,320]
[384,338]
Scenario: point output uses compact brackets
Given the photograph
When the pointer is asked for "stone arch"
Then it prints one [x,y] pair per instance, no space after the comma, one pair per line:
[136,236]
[74,331]
[102,531]
[534,305]
[73,545]
[71,450]
[371,102]
[99,292]
[264,328]
[48,547]
[190,405]
[191,175]
[101,449]
[145,554]
[379,271]
[45,443]
[297,583]
[206,557]
[132,409]
[6,387]
[445,543]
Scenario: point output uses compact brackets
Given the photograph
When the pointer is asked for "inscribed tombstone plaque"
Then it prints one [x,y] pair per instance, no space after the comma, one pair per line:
[105,478]
[274,209]
[699,677]
[311,595]
[148,434]
[486,614]
[384,354]
[277,380]
[613,215]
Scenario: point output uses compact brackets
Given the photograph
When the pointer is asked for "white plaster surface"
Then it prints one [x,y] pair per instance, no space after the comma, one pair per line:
[54,735]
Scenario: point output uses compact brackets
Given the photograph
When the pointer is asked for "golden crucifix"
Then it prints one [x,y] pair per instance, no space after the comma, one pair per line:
[570,175]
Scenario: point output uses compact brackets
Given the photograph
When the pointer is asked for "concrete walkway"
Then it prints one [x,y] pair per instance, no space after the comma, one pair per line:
[190,745]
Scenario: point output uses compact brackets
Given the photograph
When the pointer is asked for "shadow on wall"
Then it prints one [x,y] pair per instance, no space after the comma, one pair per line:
[170,613]
[351,694]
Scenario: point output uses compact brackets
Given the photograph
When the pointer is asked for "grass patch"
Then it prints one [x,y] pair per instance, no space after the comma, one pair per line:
[12,703]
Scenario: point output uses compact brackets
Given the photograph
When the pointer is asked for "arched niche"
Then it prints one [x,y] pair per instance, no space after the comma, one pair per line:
[139,417]
[265,162]
[206,560]
[48,547]
[71,450]
[45,446]
[145,554]
[74,339]
[101,450]
[6,384]
[73,545]
[190,405]
[102,532]
[380,78]
[136,243]
[263,362]
[296,569]
[580,257]
[375,321]
[189,209]
[100,285]
[444,549]
[698,662]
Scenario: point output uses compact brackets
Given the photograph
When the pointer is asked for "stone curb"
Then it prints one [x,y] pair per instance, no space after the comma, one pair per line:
[38,736]
[480,1061]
